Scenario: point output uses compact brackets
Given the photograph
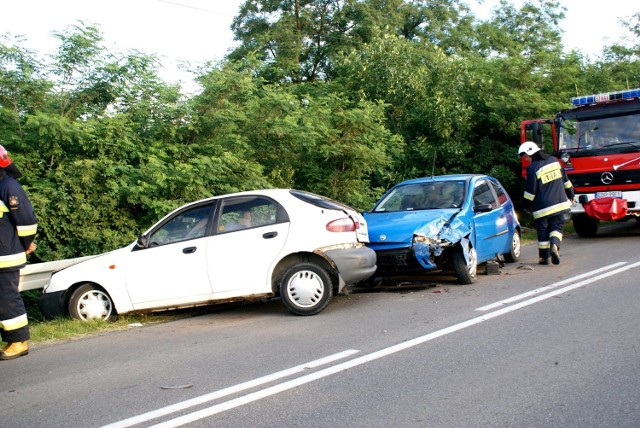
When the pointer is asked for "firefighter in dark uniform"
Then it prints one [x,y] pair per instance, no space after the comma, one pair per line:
[551,194]
[18,226]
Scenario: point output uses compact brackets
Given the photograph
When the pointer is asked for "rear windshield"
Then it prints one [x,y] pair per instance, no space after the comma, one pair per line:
[319,201]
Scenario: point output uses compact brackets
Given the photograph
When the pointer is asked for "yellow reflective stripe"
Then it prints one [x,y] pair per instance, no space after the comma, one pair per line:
[553,209]
[3,209]
[14,323]
[529,196]
[27,230]
[13,260]
[544,244]
[556,234]
[568,185]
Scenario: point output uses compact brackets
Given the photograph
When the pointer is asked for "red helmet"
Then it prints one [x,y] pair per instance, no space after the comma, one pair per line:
[5,160]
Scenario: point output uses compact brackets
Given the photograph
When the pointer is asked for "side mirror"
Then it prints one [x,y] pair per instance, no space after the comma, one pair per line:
[142,242]
[482,208]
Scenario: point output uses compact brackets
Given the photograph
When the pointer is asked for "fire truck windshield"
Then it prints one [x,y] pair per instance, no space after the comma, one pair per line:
[615,134]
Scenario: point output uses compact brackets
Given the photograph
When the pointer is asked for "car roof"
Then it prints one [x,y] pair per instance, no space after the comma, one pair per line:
[450,177]
[263,192]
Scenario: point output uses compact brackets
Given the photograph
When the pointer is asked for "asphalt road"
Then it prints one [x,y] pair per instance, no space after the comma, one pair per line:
[536,346]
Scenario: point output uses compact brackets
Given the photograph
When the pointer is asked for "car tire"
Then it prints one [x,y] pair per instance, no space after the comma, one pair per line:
[465,272]
[516,247]
[306,289]
[89,302]
[585,226]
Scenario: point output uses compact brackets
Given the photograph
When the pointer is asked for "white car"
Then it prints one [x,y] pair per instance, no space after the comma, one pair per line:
[244,246]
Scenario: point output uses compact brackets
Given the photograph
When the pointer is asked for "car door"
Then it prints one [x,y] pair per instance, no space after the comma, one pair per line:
[491,228]
[250,233]
[173,267]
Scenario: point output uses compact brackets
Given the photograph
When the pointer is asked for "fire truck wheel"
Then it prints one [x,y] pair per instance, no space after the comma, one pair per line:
[585,226]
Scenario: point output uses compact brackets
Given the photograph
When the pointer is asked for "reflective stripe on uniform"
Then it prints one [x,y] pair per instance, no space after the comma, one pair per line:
[544,244]
[3,208]
[553,209]
[13,260]
[14,323]
[27,230]
[529,196]
[556,234]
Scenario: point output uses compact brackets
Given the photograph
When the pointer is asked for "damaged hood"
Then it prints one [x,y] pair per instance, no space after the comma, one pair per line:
[394,229]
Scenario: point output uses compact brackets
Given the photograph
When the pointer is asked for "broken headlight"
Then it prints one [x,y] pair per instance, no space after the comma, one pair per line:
[421,238]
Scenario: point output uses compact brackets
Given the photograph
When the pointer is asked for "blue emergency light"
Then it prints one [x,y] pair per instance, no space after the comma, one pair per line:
[609,96]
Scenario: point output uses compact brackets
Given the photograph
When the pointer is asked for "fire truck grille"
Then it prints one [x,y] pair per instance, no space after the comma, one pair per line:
[608,178]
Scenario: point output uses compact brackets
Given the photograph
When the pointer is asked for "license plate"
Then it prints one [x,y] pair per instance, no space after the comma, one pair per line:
[611,194]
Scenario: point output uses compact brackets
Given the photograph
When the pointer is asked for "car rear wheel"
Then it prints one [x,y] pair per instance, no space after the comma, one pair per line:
[306,289]
[89,302]
[514,252]
[466,271]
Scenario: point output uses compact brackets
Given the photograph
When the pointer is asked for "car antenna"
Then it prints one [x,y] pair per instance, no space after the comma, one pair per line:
[433,167]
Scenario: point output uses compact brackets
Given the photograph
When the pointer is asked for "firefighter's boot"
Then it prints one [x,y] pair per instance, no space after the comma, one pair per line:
[555,254]
[14,350]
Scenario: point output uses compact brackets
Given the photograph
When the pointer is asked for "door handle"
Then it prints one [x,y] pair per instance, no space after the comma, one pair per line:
[189,250]
[270,235]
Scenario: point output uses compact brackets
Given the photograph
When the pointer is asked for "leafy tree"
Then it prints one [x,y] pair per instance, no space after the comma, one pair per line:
[301,136]
[619,66]
[77,126]
[421,88]
[299,40]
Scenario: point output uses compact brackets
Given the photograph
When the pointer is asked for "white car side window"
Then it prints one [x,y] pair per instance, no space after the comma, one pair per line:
[247,213]
[186,225]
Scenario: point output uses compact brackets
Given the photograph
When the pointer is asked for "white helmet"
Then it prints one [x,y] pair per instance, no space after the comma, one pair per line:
[528,148]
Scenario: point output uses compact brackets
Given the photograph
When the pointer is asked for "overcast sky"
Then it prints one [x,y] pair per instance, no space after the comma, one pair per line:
[198,30]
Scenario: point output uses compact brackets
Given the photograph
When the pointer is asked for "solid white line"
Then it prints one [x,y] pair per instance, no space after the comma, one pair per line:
[230,390]
[547,287]
[218,408]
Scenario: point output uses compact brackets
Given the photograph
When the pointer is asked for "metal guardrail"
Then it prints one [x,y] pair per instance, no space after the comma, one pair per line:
[36,276]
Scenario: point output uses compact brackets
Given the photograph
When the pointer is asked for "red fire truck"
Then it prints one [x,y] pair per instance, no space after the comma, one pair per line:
[598,143]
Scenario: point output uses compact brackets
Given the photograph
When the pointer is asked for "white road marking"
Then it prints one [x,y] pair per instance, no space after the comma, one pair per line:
[230,390]
[254,396]
[548,287]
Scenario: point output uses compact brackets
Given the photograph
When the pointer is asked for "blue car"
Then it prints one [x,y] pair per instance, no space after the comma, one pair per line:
[448,223]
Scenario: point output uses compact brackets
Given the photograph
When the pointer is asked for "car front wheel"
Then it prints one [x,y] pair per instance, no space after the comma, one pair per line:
[465,271]
[88,302]
[306,289]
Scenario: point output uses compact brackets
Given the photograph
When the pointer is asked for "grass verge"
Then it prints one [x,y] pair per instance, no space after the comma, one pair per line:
[45,331]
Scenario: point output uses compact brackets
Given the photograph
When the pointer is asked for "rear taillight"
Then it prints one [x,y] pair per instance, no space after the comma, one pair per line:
[343,225]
